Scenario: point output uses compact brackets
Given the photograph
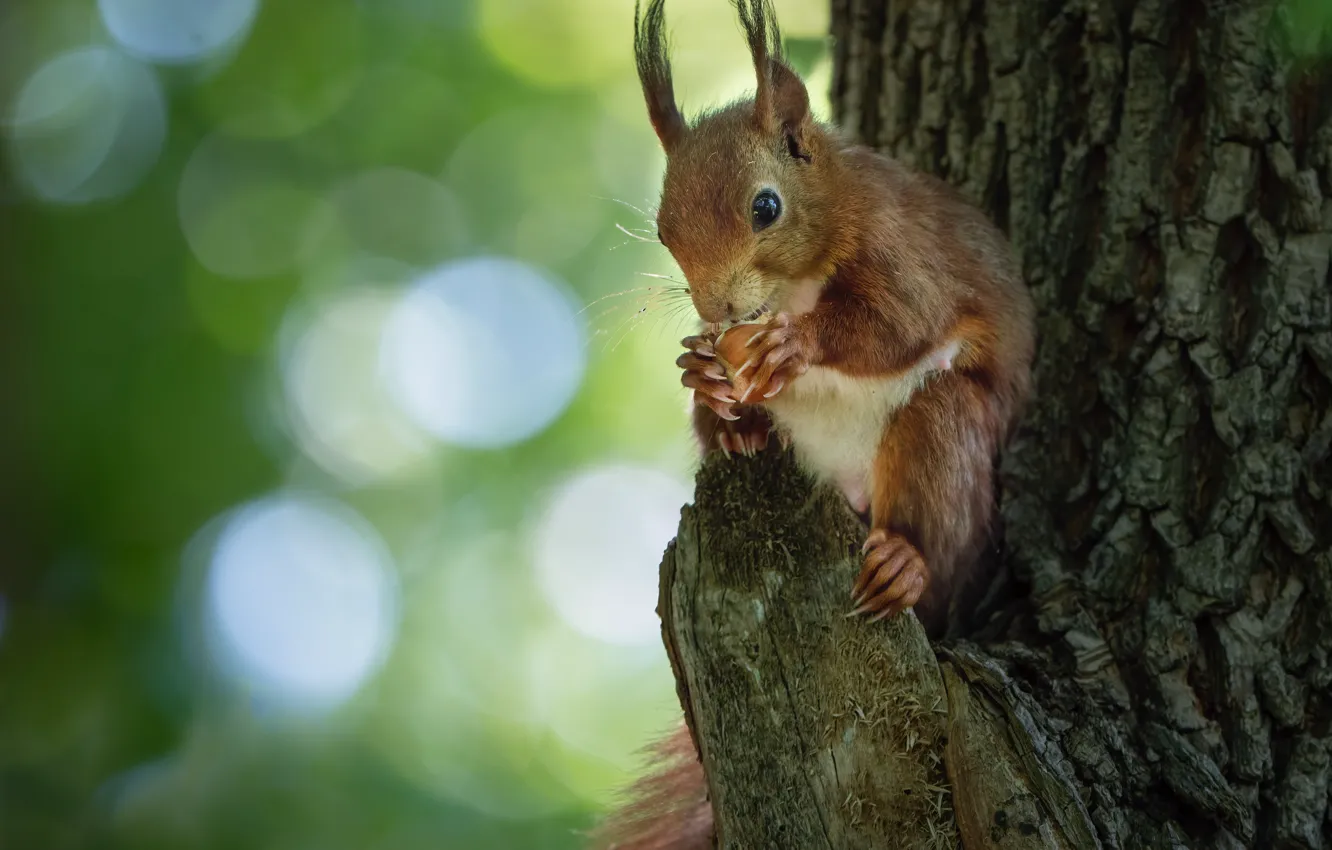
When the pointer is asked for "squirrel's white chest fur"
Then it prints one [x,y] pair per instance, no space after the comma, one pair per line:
[836,423]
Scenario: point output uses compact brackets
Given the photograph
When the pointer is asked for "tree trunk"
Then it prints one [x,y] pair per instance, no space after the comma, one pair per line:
[1163,676]
[815,730]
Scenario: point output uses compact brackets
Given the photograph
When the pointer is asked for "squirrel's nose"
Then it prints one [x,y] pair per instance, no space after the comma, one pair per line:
[712,310]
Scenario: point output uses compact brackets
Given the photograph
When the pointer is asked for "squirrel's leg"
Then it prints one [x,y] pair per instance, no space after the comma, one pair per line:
[931,502]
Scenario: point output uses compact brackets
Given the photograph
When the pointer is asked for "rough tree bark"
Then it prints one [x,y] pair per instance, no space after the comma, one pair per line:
[1163,675]
[808,722]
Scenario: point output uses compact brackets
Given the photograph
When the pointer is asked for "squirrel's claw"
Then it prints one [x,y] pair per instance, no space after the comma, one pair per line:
[700,345]
[706,377]
[754,441]
[747,437]
[893,578]
[746,433]
[693,362]
[777,354]
[737,441]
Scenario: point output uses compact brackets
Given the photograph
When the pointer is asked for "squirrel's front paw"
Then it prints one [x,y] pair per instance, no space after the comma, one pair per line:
[770,356]
[893,579]
[706,377]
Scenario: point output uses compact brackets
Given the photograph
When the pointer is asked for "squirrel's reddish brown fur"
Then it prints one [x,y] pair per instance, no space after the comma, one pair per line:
[884,332]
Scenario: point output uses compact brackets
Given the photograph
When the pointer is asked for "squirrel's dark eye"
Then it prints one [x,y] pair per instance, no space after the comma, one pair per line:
[765,209]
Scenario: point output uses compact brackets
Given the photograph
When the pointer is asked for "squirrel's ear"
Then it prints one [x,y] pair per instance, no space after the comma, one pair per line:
[654,72]
[781,102]
[790,107]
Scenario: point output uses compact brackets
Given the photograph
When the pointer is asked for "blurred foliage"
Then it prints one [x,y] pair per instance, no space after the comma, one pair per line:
[1305,29]
[194,319]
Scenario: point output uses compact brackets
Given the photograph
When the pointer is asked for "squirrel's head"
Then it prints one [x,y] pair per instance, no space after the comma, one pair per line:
[748,197]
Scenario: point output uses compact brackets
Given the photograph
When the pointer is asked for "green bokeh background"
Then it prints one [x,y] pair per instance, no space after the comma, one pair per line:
[144,398]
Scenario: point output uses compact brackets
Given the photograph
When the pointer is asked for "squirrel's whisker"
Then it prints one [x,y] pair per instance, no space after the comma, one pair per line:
[632,235]
[660,302]
[634,321]
[684,284]
[613,335]
[648,289]
[644,213]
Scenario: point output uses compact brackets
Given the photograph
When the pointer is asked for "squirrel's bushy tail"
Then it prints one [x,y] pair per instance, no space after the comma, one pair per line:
[667,809]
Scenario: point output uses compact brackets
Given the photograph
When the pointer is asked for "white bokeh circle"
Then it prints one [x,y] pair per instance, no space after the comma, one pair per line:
[301,601]
[337,404]
[177,31]
[598,547]
[484,352]
[86,126]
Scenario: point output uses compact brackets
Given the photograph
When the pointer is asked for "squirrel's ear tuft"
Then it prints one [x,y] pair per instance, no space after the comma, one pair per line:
[654,72]
[781,102]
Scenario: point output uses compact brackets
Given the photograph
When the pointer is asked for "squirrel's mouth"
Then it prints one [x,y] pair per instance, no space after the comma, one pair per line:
[755,314]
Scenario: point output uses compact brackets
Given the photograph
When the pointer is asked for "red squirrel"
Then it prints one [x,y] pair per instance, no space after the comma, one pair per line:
[874,319]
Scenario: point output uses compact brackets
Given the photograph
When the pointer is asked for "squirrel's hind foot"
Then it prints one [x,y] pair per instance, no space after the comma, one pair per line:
[893,578]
